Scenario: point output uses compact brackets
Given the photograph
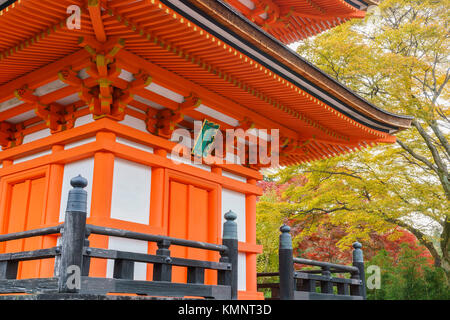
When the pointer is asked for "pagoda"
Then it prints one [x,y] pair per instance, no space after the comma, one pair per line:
[99,88]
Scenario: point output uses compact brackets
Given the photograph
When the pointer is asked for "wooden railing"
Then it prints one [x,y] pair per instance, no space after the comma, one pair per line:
[321,284]
[73,256]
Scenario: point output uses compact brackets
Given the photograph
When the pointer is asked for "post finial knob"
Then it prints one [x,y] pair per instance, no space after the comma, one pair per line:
[285,228]
[79,182]
[230,216]
[357,245]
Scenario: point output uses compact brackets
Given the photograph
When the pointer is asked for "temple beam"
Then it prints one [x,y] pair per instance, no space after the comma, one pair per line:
[95,12]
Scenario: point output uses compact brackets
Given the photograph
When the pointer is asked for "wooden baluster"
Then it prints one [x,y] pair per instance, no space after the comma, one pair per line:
[8,270]
[123,269]
[195,275]
[358,262]
[343,289]
[230,240]
[73,237]
[286,261]
[86,259]
[163,271]
[307,285]
[326,286]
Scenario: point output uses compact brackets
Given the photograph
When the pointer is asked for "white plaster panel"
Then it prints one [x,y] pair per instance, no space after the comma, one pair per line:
[169,94]
[36,136]
[234,176]
[126,75]
[69,99]
[84,167]
[134,123]
[79,143]
[83,120]
[235,201]
[49,87]
[22,117]
[242,272]
[217,115]
[9,104]
[178,160]
[149,103]
[131,192]
[134,144]
[33,156]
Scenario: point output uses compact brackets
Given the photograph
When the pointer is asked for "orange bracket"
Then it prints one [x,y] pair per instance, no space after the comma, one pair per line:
[165,121]
[54,115]
[10,136]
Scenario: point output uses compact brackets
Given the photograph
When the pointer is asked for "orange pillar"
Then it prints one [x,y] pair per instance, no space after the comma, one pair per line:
[3,204]
[101,198]
[250,222]
[54,188]
[156,205]
[157,195]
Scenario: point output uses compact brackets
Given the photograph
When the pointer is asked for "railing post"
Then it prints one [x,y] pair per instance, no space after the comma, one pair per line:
[8,270]
[358,262]
[86,258]
[73,237]
[163,271]
[230,240]
[326,286]
[286,264]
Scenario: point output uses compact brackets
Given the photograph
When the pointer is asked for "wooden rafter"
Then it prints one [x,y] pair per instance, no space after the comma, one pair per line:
[95,12]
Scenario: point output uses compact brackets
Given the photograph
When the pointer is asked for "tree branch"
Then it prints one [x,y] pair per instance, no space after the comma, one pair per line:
[417,156]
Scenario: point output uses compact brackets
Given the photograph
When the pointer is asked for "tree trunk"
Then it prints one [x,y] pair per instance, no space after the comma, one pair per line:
[445,248]
[440,260]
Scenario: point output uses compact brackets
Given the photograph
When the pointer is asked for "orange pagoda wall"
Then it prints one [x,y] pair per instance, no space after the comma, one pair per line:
[133,185]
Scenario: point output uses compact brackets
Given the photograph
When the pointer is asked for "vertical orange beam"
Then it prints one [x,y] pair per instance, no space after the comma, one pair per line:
[101,198]
[156,204]
[54,188]
[214,201]
[215,211]
[5,191]
[157,195]
[250,223]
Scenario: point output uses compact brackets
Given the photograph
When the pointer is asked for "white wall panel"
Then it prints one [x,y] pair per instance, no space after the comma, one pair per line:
[33,156]
[131,192]
[235,201]
[134,144]
[217,115]
[79,143]
[234,176]
[86,169]
[36,136]
[156,88]
[134,123]
[178,160]
[242,272]
[83,120]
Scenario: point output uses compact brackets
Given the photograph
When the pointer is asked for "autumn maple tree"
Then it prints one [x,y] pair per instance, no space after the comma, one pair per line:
[398,59]
[318,240]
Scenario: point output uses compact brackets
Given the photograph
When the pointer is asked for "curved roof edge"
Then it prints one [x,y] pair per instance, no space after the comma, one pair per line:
[6,3]
[243,27]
